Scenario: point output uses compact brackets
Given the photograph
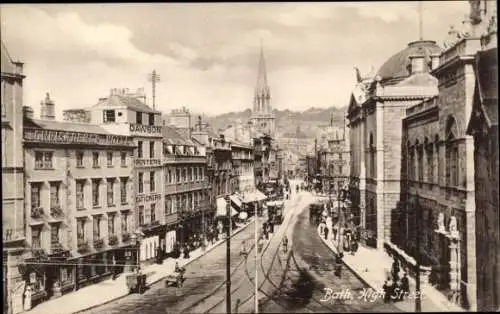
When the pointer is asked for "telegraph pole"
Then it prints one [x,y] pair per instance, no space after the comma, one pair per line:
[256,260]
[228,256]
[154,78]
[418,305]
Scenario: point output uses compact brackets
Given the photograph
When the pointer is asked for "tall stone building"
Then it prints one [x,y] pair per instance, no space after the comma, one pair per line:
[375,111]
[263,119]
[78,203]
[483,126]
[438,186]
[13,221]
[125,113]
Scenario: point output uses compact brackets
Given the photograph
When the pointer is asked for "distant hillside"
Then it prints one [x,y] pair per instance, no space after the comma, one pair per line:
[287,121]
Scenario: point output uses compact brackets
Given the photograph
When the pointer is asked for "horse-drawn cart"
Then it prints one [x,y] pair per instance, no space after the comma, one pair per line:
[136,282]
[175,279]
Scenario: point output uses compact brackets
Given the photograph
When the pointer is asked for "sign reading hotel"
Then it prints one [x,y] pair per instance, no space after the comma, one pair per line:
[68,137]
[146,129]
[141,162]
[140,199]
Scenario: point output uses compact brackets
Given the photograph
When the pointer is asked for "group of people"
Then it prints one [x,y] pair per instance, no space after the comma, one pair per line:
[396,288]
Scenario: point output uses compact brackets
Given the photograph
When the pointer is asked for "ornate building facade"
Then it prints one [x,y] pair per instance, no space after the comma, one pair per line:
[187,204]
[375,110]
[438,187]
[125,113]
[13,221]
[79,203]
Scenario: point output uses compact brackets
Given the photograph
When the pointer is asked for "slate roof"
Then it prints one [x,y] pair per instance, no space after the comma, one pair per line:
[67,126]
[171,136]
[6,61]
[129,102]
[396,67]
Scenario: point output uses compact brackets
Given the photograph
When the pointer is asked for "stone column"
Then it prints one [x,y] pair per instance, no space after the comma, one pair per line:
[470,225]
[455,275]
[362,172]
[379,167]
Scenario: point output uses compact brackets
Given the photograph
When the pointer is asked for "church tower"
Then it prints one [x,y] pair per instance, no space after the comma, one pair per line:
[263,118]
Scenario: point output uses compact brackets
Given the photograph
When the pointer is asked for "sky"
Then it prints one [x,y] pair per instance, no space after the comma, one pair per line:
[207,54]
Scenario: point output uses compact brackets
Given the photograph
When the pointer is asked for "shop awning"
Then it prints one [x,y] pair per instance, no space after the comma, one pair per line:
[236,200]
[221,208]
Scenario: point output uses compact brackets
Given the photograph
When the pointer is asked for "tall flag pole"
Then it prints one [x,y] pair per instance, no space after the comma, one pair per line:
[154,78]
[420,21]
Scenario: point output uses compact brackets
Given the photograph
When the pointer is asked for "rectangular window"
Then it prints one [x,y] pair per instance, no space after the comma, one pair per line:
[54,234]
[152,181]
[35,194]
[97,227]
[153,212]
[141,215]
[151,119]
[79,194]
[454,166]
[36,233]
[184,174]
[123,159]
[79,159]
[123,190]
[95,159]
[54,194]
[139,149]
[151,149]
[111,190]
[178,175]
[138,117]
[111,224]
[141,182]
[95,192]
[109,157]
[124,222]
[168,205]
[80,230]
[109,116]
[44,160]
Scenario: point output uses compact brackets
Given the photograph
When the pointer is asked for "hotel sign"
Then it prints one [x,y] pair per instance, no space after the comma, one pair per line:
[146,129]
[141,162]
[68,137]
[139,199]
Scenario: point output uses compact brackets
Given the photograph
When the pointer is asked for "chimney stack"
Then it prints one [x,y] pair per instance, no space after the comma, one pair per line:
[47,110]
[417,63]
[28,112]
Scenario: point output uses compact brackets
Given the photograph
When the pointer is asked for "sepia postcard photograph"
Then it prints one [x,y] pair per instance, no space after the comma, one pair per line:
[265,157]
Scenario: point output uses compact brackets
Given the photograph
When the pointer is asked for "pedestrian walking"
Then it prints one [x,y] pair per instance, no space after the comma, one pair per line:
[115,270]
[326,233]
[387,290]
[285,244]
[395,269]
[405,284]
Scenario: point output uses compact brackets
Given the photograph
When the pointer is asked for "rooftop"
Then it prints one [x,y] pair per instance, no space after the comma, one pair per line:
[172,137]
[66,126]
[128,101]
[396,67]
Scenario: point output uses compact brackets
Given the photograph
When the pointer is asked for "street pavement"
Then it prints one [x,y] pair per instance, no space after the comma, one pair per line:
[289,282]
[309,273]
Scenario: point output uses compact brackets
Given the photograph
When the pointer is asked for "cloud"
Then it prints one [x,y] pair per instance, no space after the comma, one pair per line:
[207,54]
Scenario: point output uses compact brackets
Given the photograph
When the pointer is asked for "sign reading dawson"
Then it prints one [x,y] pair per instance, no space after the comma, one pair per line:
[146,129]
[68,137]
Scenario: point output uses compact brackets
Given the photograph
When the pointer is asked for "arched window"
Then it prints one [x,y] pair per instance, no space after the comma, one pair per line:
[372,157]
[451,153]
[429,147]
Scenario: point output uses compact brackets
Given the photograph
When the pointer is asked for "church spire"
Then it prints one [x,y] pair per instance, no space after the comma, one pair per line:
[262,93]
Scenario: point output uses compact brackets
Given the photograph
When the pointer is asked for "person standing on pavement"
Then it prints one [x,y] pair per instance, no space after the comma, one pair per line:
[386,289]
[405,285]
[115,271]
[395,269]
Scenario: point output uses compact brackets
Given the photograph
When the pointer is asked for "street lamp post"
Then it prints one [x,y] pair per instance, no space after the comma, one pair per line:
[418,305]
[228,256]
